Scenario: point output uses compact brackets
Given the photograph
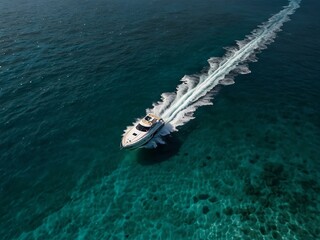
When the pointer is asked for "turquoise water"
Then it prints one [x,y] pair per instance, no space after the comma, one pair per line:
[74,75]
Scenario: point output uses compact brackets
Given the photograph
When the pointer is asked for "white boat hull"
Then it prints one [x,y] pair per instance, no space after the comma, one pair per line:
[142,132]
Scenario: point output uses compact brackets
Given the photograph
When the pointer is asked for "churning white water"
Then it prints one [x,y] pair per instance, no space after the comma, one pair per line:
[177,108]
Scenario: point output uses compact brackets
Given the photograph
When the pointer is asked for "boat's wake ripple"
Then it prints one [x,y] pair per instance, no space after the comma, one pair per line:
[177,108]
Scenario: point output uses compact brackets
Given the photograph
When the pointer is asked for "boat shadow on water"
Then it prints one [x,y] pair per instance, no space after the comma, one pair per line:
[160,154]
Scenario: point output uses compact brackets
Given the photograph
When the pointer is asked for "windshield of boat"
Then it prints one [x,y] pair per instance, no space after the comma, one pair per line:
[142,128]
[148,118]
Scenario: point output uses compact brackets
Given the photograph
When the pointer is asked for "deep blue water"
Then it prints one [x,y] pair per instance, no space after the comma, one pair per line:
[75,74]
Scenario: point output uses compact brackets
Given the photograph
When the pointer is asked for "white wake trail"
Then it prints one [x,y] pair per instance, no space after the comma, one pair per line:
[177,108]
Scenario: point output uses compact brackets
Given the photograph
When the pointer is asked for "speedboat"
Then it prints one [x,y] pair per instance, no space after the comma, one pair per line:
[142,132]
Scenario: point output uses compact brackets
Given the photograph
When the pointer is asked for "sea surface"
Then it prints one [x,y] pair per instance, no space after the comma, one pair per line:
[75,74]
